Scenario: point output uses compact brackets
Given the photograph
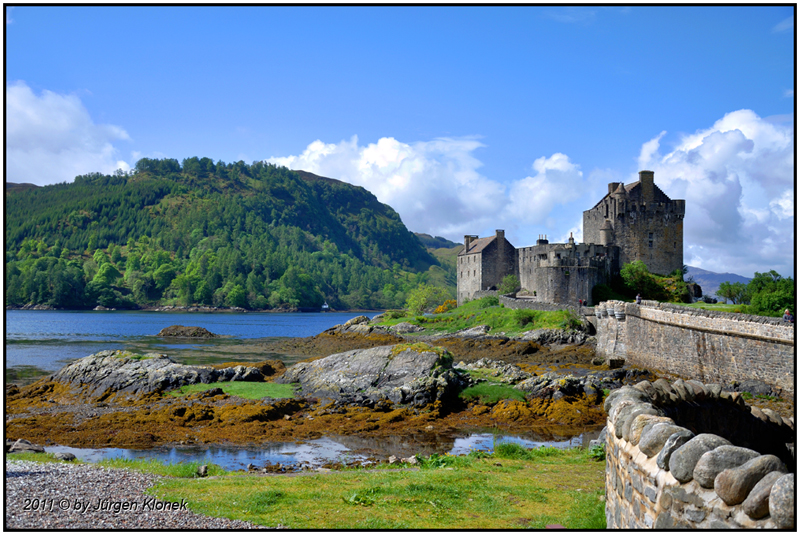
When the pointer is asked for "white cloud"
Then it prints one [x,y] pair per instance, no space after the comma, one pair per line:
[557,181]
[433,185]
[51,138]
[738,181]
[784,25]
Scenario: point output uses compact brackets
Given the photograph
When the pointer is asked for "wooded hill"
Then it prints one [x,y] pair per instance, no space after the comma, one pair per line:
[254,236]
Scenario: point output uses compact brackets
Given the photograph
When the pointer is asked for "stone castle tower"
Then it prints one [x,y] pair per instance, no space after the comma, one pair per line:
[633,222]
[642,221]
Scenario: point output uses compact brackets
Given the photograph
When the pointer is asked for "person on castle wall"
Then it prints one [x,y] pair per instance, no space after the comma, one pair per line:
[638,299]
[787,316]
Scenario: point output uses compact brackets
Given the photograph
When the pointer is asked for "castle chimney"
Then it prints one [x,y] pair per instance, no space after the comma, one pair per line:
[571,239]
[467,240]
[646,179]
[501,242]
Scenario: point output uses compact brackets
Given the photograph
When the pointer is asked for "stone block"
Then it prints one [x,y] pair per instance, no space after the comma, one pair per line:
[757,503]
[781,502]
[711,463]
[644,409]
[683,461]
[653,439]
[639,423]
[695,515]
[675,441]
[734,484]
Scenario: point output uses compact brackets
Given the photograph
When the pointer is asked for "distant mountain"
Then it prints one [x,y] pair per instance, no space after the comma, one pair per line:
[198,232]
[435,243]
[710,281]
[11,187]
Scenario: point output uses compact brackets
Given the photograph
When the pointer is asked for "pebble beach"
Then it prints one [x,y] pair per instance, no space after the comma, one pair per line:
[73,496]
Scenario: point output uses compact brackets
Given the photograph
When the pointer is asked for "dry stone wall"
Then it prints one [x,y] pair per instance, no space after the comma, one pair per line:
[713,347]
[664,471]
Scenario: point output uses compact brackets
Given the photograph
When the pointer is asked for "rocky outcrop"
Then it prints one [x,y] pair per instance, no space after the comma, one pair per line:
[555,337]
[179,331]
[112,372]
[407,374]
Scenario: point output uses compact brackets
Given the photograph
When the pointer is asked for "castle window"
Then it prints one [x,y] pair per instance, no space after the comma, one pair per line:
[650,236]
[650,244]
[473,272]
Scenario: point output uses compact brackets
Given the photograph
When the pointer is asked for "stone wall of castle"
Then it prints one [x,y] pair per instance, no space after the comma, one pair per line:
[646,225]
[470,274]
[710,346]
[565,272]
[687,455]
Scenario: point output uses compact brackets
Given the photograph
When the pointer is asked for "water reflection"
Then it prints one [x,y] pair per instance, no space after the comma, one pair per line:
[315,453]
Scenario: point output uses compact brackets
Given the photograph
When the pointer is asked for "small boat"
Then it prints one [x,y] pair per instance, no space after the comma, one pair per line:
[325,307]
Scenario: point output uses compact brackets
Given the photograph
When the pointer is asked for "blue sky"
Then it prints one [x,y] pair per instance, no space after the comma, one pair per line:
[464,119]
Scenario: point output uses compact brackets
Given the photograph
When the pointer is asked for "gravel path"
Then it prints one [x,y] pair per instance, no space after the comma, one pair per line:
[66,496]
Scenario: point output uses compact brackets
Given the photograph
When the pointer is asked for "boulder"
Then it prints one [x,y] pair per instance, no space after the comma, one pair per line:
[554,337]
[685,458]
[65,456]
[757,503]
[179,331]
[405,327]
[734,484]
[24,446]
[654,438]
[781,502]
[713,462]
[128,373]
[403,374]
[641,421]
[675,441]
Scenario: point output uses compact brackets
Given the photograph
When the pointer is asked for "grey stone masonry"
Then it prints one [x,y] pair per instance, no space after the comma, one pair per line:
[644,494]
[708,346]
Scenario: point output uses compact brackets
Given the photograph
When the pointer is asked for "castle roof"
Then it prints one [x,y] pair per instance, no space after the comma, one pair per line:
[478,245]
[634,191]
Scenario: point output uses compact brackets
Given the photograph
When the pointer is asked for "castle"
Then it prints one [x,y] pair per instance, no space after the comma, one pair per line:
[633,222]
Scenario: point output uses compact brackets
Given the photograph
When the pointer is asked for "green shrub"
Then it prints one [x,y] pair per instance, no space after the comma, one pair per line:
[489,394]
[524,317]
[488,301]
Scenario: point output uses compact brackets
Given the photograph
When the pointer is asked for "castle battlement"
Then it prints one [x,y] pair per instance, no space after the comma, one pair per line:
[632,222]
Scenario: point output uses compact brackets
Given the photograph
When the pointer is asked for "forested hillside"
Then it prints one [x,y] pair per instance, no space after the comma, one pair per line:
[254,236]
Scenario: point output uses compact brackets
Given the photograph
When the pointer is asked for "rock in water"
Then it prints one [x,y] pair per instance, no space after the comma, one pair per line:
[180,331]
[128,373]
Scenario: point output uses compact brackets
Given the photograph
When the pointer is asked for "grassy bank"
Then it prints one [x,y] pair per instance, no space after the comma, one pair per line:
[512,489]
[487,311]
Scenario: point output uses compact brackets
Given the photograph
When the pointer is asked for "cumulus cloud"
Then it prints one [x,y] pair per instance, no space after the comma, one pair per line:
[437,188]
[51,138]
[434,185]
[738,181]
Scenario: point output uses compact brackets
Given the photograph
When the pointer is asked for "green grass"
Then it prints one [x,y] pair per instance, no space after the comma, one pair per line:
[242,389]
[475,491]
[489,393]
[497,317]
[719,307]
[152,466]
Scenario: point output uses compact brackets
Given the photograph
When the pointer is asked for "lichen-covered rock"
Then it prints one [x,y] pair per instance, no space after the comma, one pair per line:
[25,446]
[675,441]
[713,462]
[499,370]
[555,337]
[414,374]
[110,372]
[405,327]
[625,392]
[781,502]
[641,421]
[685,458]
[734,484]
[644,410]
[554,386]
[757,503]
[654,438]
[179,331]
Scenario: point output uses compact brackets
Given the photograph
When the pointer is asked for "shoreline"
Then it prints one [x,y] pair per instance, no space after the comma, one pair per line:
[182,308]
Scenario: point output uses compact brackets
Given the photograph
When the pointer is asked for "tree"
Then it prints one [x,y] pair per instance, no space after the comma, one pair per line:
[509,284]
[735,291]
[425,297]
